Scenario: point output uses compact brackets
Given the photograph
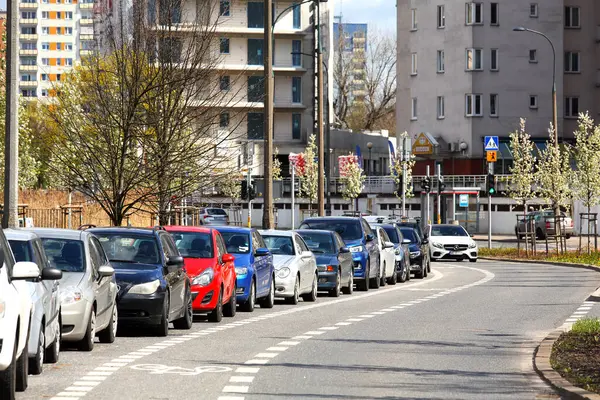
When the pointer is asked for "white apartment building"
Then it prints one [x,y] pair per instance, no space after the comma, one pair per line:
[53,35]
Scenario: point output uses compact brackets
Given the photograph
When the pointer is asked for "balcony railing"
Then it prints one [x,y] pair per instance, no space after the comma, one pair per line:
[28,4]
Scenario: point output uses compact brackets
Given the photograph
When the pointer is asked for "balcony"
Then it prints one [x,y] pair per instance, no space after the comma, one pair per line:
[86,5]
[28,5]
[28,36]
[85,52]
[28,84]
[28,52]
[86,36]
[28,67]
[28,21]
[86,21]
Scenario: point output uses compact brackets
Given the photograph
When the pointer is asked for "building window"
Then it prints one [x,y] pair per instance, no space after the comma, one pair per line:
[225,83]
[413,19]
[441,112]
[225,8]
[296,56]
[68,31]
[413,110]
[45,30]
[255,52]
[69,46]
[413,63]
[68,15]
[441,17]
[296,126]
[494,59]
[256,126]
[533,101]
[44,14]
[473,106]
[473,60]
[256,89]
[44,92]
[256,14]
[224,46]
[45,61]
[474,14]
[441,66]
[296,16]
[69,62]
[224,120]
[572,17]
[533,10]
[494,14]
[493,105]
[44,77]
[571,107]
[45,46]
[296,89]
[572,62]
[533,56]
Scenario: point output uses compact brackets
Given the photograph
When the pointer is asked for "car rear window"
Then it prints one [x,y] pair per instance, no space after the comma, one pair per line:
[194,244]
[281,245]
[410,234]
[65,254]
[348,230]
[237,243]
[130,248]
[319,243]
[216,211]
[392,233]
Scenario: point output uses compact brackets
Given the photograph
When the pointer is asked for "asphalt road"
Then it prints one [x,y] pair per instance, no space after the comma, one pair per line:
[468,331]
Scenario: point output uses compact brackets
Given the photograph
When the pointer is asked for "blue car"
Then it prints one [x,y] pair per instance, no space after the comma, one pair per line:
[360,239]
[334,261]
[253,267]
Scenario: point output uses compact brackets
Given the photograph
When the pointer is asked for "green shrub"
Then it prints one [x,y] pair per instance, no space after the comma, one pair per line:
[587,325]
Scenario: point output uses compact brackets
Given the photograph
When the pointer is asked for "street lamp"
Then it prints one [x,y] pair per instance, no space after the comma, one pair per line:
[554,112]
[370,147]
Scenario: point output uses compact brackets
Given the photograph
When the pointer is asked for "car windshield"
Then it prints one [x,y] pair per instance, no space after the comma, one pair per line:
[216,211]
[281,245]
[130,248]
[410,234]
[236,242]
[392,233]
[348,230]
[448,231]
[21,250]
[319,243]
[194,244]
[65,254]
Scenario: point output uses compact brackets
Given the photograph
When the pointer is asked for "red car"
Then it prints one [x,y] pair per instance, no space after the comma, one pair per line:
[210,269]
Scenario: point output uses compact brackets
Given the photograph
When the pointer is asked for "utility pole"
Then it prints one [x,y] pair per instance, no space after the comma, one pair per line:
[491,190]
[427,202]
[268,222]
[249,162]
[10,216]
[406,150]
[440,179]
[320,136]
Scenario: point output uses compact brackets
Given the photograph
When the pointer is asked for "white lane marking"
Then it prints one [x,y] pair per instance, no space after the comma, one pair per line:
[301,337]
[63,398]
[86,383]
[580,312]
[79,388]
[256,362]
[344,323]
[114,364]
[236,389]
[329,328]
[377,313]
[73,394]
[230,398]
[266,355]
[366,316]
[93,378]
[584,308]
[241,379]
[247,370]
[106,369]
[99,373]
[288,343]
[277,348]
[355,319]
[314,333]
[388,309]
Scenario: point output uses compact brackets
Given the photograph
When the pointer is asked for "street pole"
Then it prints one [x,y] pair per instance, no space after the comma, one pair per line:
[404,160]
[293,168]
[249,181]
[10,216]
[328,151]
[439,195]
[267,222]
[427,202]
[320,144]
[490,171]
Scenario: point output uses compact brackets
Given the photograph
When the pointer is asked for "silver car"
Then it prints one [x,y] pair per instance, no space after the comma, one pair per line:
[213,216]
[544,224]
[44,332]
[88,287]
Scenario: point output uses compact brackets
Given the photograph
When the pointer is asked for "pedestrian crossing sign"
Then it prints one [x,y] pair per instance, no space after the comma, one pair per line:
[491,143]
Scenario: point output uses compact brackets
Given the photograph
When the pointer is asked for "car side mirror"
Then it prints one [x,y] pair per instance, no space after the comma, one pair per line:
[306,254]
[174,261]
[25,270]
[344,249]
[405,241]
[106,270]
[261,252]
[425,241]
[227,258]
[370,237]
[388,245]
[51,274]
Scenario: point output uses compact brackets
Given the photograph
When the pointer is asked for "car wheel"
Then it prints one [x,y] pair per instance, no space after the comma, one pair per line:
[568,236]
[338,286]
[186,321]
[294,299]
[216,315]
[87,343]
[403,273]
[394,279]
[162,329]
[421,273]
[364,284]
[248,306]
[53,351]
[383,279]
[109,334]
[22,369]
[36,363]
[8,378]
[350,288]
[312,296]
[540,235]
[374,282]
[269,301]
[230,308]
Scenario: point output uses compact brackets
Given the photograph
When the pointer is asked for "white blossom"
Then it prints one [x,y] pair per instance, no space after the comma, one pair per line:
[353,179]
[523,179]
[397,170]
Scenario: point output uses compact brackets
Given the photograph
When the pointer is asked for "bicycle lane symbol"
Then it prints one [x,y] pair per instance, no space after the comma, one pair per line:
[159,369]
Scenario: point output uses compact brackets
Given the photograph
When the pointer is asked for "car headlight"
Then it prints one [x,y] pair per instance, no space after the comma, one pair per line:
[205,278]
[241,271]
[414,254]
[356,249]
[70,295]
[438,245]
[145,288]
[2,308]
[473,245]
[283,272]
[398,251]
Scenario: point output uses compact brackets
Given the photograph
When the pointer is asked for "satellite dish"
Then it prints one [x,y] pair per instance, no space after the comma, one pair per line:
[463,146]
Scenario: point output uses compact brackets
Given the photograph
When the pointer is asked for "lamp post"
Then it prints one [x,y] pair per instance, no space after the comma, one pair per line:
[554,107]
[370,147]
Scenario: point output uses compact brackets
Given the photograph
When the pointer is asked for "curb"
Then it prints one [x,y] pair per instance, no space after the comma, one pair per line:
[557,263]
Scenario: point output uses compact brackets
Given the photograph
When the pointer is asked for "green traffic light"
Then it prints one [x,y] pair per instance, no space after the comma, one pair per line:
[492,191]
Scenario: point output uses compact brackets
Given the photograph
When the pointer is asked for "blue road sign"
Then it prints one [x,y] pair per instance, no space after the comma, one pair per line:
[463,200]
[490,143]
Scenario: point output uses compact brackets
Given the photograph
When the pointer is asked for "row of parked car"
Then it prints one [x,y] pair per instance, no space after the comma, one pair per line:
[72,286]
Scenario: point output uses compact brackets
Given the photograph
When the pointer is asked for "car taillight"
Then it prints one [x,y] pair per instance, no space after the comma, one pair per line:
[330,268]
[547,225]
[206,216]
[571,223]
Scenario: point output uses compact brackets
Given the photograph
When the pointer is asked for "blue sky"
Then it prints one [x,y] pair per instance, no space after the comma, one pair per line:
[379,14]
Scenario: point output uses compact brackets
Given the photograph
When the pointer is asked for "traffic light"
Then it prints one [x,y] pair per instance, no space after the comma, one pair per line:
[248,191]
[441,184]
[252,192]
[426,184]
[400,184]
[491,185]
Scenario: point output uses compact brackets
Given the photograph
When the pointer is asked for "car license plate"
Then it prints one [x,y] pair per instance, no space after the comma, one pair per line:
[322,280]
[455,253]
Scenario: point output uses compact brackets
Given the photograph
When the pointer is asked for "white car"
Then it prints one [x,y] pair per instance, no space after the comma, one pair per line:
[451,242]
[387,256]
[44,334]
[295,266]
[16,312]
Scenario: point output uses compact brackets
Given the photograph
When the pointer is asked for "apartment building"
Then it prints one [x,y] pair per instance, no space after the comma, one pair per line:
[463,74]
[350,44]
[53,35]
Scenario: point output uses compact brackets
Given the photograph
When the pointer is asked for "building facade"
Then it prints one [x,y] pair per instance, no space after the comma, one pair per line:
[463,74]
[350,45]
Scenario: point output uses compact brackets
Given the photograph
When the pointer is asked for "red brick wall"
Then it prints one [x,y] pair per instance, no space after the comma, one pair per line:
[451,167]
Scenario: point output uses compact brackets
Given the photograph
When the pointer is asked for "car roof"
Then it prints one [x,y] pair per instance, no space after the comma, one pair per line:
[19,234]
[57,233]
[332,219]
[128,229]
[234,229]
[179,228]
[323,231]
[276,232]
[392,226]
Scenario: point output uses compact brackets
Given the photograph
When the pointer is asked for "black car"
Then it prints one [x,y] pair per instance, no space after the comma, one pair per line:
[415,224]
[154,288]
[420,264]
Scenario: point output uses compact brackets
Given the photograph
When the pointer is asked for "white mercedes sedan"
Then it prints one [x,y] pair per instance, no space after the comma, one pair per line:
[451,242]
